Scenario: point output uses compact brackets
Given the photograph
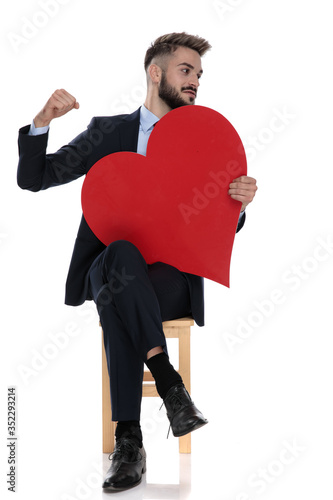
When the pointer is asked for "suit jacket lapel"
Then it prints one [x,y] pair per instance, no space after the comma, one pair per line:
[129,132]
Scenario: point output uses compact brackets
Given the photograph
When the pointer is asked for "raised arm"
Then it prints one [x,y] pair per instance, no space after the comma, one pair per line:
[36,170]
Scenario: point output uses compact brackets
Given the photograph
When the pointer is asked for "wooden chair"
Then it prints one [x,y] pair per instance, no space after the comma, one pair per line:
[178,328]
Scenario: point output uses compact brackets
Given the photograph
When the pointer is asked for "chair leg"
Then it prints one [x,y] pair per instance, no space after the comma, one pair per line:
[185,370]
[108,425]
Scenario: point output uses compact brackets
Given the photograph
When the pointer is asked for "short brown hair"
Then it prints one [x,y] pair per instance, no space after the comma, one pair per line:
[166,44]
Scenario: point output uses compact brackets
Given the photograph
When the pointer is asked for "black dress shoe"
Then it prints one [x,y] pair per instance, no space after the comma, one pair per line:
[128,463]
[183,415]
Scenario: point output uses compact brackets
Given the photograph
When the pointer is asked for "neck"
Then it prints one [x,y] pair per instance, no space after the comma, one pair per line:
[158,107]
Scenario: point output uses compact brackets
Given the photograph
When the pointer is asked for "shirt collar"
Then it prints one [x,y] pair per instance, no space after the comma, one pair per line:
[147,118]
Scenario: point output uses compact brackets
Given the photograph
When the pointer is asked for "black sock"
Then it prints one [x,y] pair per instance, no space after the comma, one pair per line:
[164,373]
[130,429]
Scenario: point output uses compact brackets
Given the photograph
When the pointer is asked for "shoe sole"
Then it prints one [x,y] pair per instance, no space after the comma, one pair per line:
[194,428]
[121,488]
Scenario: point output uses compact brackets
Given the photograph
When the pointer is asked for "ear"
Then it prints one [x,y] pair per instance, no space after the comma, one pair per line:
[155,73]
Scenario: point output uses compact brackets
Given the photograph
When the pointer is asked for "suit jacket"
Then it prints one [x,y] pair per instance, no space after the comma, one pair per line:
[38,170]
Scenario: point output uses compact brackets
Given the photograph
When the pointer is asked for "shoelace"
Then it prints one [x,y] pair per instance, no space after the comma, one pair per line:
[176,402]
[170,422]
[123,448]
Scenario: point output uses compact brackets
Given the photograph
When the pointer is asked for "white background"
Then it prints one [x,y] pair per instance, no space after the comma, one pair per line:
[261,384]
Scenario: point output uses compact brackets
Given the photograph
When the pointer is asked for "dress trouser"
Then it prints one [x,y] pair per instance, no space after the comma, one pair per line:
[132,300]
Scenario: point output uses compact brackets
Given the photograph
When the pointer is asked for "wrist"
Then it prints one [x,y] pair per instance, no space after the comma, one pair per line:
[40,122]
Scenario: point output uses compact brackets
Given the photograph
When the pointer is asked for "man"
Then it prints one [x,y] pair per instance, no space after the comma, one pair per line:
[132,298]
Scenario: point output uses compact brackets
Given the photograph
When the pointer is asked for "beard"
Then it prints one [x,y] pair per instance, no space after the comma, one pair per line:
[169,94]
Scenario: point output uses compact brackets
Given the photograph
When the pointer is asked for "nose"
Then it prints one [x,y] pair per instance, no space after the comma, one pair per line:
[195,81]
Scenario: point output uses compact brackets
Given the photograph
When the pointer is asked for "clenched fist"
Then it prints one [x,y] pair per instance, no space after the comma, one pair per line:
[59,104]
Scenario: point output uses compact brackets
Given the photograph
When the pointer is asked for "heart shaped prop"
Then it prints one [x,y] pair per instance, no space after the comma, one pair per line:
[172,204]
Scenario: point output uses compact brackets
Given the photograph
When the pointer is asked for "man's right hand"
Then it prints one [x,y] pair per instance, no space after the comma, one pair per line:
[59,104]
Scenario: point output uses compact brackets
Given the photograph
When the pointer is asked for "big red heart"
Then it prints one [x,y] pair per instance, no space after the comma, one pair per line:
[172,204]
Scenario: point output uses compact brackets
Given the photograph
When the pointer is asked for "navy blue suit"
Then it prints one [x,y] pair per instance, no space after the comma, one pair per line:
[38,170]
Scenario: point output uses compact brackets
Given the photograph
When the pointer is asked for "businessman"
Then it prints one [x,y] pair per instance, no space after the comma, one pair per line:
[132,298]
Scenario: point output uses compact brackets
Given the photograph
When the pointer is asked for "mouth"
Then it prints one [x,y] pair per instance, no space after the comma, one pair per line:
[191,93]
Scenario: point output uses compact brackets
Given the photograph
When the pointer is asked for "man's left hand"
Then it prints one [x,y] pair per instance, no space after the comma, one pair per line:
[243,189]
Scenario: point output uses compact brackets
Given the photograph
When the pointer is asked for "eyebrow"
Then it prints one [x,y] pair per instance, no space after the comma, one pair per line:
[189,66]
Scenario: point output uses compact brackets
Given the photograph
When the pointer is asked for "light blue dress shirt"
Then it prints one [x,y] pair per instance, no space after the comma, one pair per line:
[147,122]
[37,130]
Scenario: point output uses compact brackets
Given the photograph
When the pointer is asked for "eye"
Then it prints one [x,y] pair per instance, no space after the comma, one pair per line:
[185,70]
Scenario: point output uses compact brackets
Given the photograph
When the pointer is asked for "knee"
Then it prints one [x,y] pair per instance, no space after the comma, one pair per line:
[122,252]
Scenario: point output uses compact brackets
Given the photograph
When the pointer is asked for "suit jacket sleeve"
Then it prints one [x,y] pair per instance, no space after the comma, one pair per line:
[241,222]
[38,170]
